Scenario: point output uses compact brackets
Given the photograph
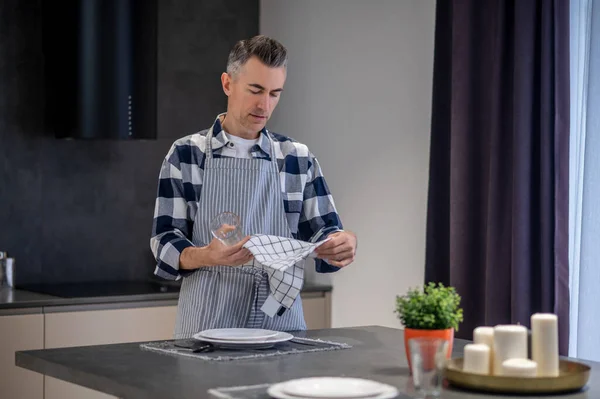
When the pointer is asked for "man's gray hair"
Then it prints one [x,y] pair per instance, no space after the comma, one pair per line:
[269,51]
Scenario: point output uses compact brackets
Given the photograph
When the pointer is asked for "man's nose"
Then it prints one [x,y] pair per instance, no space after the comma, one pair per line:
[264,102]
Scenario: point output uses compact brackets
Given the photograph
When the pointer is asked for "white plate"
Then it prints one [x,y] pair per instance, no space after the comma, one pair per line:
[332,387]
[237,334]
[255,344]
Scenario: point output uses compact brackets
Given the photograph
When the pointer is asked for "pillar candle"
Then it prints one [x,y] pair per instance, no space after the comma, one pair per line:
[477,359]
[544,343]
[485,336]
[510,342]
[519,368]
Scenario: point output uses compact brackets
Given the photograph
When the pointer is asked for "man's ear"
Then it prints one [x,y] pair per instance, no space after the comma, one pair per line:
[226,83]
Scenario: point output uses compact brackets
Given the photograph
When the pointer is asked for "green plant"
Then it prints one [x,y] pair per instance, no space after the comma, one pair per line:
[433,308]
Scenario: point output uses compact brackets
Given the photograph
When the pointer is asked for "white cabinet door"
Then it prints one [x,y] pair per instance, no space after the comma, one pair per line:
[100,327]
[55,389]
[20,332]
[317,310]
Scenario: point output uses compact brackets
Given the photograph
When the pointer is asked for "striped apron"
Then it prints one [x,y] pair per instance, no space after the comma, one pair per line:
[227,296]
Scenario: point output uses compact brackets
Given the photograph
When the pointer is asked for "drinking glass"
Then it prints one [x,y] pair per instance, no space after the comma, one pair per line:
[428,358]
[227,227]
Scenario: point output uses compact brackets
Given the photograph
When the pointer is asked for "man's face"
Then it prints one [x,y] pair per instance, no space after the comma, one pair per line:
[253,94]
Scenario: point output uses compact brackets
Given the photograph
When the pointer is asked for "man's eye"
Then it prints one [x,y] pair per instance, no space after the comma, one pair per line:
[274,95]
[254,92]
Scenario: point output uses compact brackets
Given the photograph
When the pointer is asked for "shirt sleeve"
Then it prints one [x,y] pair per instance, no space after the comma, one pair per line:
[172,227]
[319,217]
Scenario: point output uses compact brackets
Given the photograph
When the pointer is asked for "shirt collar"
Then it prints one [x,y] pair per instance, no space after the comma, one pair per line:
[220,140]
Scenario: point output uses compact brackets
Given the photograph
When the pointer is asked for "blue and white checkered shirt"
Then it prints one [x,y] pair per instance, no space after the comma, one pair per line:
[308,204]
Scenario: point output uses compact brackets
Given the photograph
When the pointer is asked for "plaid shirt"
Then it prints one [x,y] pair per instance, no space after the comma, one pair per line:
[308,204]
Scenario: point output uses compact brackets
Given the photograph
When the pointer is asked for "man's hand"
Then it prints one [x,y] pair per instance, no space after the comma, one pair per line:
[221,254]
[214,254]
[339,250]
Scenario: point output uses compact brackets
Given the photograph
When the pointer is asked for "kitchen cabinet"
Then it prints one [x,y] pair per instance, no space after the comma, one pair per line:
[20,332]
[317,309]
[55,389]
[98,327]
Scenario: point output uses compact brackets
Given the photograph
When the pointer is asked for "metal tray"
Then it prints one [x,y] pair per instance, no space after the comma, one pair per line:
[573,376]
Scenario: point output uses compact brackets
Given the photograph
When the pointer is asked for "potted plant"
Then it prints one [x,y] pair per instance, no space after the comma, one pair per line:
[432,312]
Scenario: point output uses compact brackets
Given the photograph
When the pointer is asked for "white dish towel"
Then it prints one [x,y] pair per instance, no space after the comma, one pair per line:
[283,259]
[280,253]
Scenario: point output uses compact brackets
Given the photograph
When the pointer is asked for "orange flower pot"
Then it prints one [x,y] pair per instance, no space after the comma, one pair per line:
[410,333]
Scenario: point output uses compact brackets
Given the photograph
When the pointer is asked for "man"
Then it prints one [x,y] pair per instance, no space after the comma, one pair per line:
[272,182]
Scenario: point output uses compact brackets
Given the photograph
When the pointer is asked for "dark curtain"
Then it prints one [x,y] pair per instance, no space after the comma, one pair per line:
[497,223]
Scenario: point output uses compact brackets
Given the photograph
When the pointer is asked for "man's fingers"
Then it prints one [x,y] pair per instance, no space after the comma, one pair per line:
[344,247]
[342,263]
[341,257]
[331,243]
[336,251]
[242,254]
[241,257]
[338,257]
[237,247]
[244,240]
[240,244]
[329,249]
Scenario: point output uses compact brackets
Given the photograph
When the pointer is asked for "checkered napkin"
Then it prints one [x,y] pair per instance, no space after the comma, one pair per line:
[283,261]
[279,253]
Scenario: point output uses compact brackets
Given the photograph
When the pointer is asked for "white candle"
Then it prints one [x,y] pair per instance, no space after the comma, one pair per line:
[544,343]
[477,359]
[485,336]
[519,368]
[510,342]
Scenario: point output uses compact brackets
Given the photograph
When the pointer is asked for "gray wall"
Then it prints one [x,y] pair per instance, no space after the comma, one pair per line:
[75,211]
[359,95]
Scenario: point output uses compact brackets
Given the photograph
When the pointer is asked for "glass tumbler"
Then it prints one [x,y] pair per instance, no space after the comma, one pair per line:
[227,227]
[428,358]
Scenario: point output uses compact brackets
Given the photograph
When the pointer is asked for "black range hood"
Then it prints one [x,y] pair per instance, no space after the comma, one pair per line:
[100,68]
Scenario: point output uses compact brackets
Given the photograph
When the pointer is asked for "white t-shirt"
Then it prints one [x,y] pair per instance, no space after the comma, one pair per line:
[242,146]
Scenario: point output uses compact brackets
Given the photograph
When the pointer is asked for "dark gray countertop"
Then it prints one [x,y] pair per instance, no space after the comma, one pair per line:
[21,299]
[125,371]
[17,299]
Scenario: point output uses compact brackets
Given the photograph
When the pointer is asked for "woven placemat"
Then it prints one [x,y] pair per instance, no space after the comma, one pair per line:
[298,345]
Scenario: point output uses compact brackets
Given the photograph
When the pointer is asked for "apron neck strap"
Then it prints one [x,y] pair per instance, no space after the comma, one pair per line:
[209,136]
[272,143]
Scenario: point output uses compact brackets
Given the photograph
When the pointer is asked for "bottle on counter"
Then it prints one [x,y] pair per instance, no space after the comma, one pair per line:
[10,272]
[7,270]
[3,257]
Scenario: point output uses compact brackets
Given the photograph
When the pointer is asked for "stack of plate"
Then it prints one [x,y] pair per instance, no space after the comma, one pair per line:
[242,338]
[332,387]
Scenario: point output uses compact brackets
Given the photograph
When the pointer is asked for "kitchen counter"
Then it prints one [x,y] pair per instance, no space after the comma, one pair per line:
[19,301]
[377,353]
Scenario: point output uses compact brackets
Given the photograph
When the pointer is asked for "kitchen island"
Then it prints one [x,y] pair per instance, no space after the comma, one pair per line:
[126,371]
[90,314]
